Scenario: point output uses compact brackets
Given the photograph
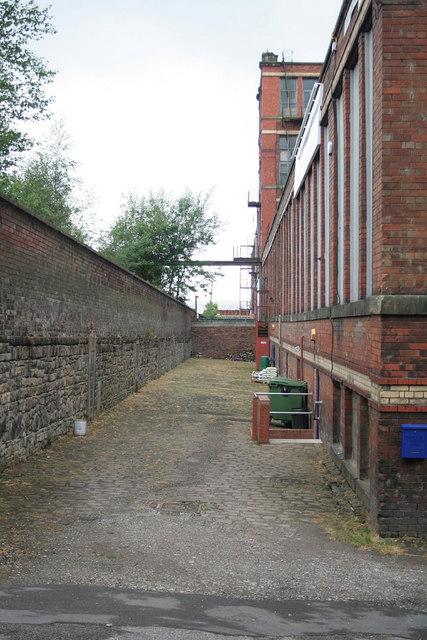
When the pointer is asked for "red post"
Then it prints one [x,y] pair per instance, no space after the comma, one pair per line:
[301,346]
[263,419]
[254,433]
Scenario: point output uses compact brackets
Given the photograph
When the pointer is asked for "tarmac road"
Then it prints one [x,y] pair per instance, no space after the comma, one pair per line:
[166,521]
[107,614]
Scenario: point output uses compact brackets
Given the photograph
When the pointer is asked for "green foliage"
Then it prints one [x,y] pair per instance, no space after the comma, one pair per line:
[23,75]
[46,183]
[156,238]
[211,310]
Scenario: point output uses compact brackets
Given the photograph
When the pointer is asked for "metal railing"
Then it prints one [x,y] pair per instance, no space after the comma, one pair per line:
[317,404]
[289,413]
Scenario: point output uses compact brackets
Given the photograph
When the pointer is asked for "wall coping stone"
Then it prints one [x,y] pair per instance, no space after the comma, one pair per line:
[226,322]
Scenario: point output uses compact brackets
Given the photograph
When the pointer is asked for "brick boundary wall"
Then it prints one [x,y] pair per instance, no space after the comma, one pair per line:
[77,332]
[225,339]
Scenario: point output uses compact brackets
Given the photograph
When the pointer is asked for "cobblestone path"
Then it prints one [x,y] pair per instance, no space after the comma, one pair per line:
[184,438]
[167,492]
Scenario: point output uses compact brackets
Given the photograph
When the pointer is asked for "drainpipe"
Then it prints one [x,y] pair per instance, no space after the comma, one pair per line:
[301,346]
[317,404]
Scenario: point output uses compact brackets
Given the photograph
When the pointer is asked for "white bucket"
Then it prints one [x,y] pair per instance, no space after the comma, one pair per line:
[80,427]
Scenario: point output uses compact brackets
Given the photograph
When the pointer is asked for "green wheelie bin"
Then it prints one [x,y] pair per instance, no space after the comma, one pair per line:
[264,362]
[286,403]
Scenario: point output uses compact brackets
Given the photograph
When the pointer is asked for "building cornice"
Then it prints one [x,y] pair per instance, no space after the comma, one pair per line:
[292,74]
[379,305]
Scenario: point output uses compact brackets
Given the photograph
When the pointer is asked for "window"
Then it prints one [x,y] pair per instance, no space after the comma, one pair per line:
[354,183]
[369,72]
[305,223]
[312,260]
[326,205]
[286,147]
[319,236]
[307,87]
[292,257]
[300,250]
[340,199]
[288,97]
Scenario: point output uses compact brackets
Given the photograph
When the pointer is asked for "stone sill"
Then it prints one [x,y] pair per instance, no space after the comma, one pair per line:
[226,322]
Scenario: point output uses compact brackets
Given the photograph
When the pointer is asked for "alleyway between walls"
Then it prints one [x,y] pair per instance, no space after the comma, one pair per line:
[167,493]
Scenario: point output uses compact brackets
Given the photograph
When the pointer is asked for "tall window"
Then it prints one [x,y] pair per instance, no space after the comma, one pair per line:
[304,246]
[340,200]
[326,204]
[354,183]
[292,270]
[300,250]
[307,86]
[369,71]
[312,259]
[288,97]
[318,254]
[286,147]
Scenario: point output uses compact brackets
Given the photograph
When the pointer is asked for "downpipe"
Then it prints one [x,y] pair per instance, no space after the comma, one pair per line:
[317,418]
[301,347]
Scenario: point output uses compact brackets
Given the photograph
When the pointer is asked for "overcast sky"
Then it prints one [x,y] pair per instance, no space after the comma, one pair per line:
[162,94]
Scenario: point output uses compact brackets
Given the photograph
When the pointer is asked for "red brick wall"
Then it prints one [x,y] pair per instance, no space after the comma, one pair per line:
[224,339]
[397,495]
[52,284]
[370,355]
[403,159]
[401,483]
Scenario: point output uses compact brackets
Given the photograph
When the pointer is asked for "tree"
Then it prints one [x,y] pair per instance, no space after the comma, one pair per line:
[156,238]
[23,75]
[47,184]
[211,310]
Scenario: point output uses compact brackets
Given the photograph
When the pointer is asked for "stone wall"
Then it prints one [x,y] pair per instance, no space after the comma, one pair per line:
[225,339]
[77,332]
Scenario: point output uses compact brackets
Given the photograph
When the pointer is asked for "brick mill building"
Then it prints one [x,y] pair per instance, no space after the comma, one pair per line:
[343,278]
[283,95]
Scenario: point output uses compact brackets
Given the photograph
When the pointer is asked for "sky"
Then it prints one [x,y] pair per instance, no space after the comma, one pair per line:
[161,94]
